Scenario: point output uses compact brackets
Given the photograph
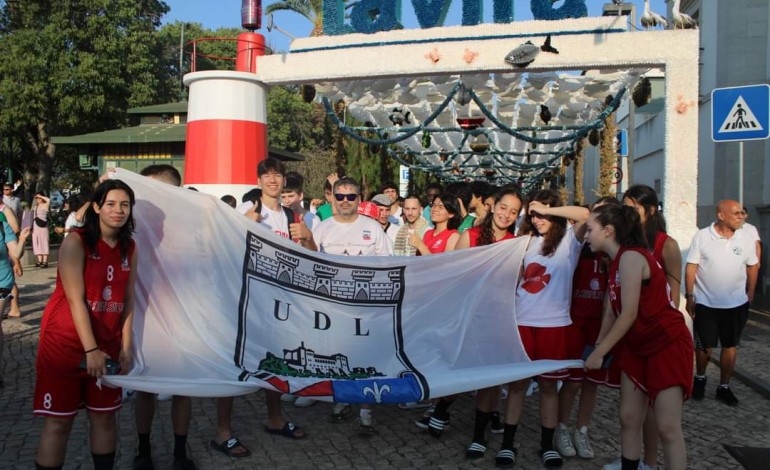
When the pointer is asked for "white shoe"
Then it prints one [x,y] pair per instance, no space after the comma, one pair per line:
[366,422]
[304,402]
[287,398]
[583,444]
[562,441]
[644,466]
[504,392]
[533,387]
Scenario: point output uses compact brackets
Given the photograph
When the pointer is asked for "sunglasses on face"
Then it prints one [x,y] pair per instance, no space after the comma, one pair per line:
[349,197]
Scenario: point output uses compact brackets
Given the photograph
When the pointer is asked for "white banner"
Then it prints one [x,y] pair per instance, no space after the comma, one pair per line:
[224,307]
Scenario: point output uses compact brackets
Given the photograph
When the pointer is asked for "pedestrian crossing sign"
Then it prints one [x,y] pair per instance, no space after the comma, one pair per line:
[740,113]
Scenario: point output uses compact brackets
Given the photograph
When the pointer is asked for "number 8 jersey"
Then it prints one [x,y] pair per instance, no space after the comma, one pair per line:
[105,276]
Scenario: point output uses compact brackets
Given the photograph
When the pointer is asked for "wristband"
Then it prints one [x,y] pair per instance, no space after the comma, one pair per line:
[92,350]
[689,296]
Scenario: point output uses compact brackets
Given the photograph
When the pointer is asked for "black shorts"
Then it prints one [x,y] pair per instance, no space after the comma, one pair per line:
[724,324]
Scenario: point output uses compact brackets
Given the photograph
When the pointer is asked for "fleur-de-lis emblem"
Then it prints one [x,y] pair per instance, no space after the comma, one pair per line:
[377,391]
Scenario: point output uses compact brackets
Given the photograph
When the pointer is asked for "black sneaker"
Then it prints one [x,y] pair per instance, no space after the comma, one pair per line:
[726,396]
[698,388]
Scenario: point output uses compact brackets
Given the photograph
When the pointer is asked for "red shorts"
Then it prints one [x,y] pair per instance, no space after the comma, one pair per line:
[584,332]
[546,343]
[670,367]
[62,396]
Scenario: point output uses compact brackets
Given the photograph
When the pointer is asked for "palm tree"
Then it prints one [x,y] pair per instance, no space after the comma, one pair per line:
[310,9]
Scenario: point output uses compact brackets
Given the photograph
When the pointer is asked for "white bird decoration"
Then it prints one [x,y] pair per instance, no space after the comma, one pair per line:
[680,20]
[650,19]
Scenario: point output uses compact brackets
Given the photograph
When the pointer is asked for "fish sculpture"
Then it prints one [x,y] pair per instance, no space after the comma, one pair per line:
[526,53]
[523,55]
[398,117]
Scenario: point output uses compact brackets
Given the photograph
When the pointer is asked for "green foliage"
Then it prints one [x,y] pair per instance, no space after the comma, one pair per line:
[289,118]
[74,66]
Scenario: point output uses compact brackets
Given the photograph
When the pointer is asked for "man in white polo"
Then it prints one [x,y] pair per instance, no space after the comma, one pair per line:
[349,234]
[720,278]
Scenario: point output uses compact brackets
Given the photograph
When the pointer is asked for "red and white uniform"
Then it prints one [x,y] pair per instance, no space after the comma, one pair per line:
[62,385]
[589,289]
[475,232]
[543,300]
[437,243]
[656,353]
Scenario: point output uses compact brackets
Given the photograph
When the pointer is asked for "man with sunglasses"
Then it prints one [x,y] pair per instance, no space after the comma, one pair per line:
[349,234]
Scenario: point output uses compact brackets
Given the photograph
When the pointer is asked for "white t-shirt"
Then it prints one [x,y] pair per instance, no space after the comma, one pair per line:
[545,290]
[720,281]
[275,221]
[392,232]
[71,223]
[362,237]
[750,231]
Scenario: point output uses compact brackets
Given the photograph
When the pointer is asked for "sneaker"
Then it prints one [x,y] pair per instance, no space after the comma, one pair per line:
[726,395]
[551,459]
[563,442]
[698,388]
[533,387]
[644,466]
[366,423]
[340,413]
[497,425]
[304,402]
[287,398]
[583,444]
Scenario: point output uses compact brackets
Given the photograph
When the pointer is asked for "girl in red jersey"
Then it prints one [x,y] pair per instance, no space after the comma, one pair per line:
[87,328]
[543,299]
[498,225]
[666,251]
[589,288]
[445,215]
[647,335]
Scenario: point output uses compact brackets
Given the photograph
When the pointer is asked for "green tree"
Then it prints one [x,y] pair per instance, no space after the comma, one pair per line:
[310,9]
[74,66]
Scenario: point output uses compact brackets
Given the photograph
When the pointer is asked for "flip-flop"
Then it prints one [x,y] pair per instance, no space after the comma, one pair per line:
[288,430]
[227,447]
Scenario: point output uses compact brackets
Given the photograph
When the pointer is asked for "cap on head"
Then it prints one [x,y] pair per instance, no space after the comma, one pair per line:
[382,200]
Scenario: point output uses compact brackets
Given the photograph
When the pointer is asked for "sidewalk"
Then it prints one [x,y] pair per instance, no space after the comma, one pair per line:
[400,444]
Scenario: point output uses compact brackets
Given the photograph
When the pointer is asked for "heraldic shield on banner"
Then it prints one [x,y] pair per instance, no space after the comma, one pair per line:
[328,330]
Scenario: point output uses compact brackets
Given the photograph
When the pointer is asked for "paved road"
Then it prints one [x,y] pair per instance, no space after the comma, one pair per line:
[400,444]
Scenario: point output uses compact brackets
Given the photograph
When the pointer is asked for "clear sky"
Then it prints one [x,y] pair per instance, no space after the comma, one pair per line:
[214,14]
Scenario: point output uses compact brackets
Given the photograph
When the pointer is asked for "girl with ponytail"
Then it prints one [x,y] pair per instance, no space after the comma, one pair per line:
[646,334]
[666,251]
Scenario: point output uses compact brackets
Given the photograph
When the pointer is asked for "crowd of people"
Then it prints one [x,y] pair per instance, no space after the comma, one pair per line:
[600,284]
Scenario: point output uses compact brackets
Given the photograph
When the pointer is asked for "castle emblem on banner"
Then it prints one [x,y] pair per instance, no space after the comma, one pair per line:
[315,327]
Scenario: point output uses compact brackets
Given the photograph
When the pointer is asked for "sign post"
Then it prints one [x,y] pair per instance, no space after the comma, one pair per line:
[739,114]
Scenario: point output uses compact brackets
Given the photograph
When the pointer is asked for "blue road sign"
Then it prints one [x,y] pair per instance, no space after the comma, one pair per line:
[622,142]
[740,113]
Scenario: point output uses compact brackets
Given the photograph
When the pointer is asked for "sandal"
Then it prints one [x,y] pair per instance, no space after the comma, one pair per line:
[475,451]
[551,459]
[506,458]
[290,430]
[228,448]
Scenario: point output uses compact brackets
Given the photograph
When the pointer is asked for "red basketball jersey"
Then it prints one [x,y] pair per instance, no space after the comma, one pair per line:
[658,322]
[475,232]
[105,276]
[589,285]
[437,243]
